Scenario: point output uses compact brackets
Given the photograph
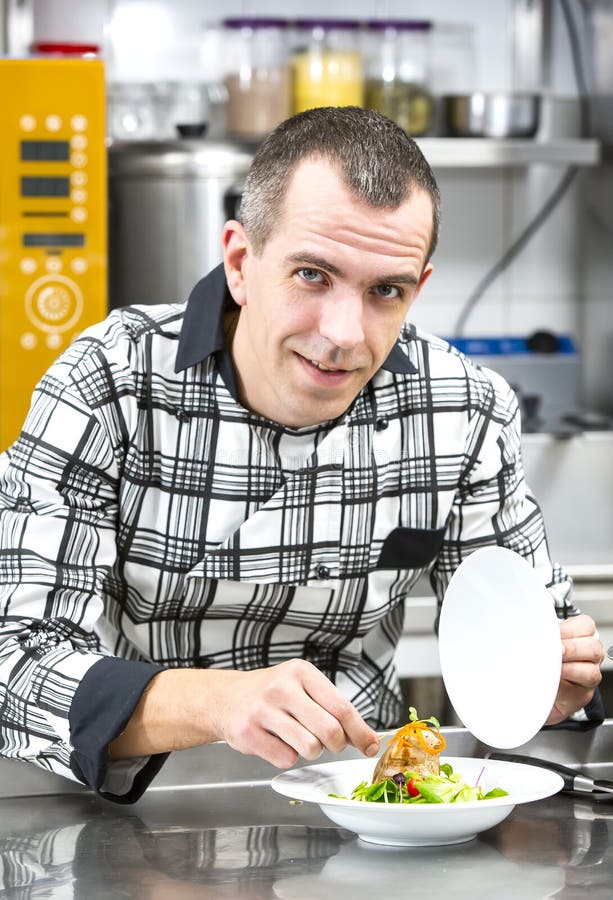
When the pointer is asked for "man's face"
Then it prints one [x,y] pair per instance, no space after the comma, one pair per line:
[323,303]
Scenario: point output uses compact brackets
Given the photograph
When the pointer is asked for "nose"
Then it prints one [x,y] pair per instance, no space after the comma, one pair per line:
[341,322]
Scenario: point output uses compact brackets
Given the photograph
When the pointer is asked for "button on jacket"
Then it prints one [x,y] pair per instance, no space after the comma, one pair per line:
[148,520]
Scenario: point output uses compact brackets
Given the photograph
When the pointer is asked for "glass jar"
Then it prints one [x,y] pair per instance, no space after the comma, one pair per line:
[397,77]
[327,65]
[453,66]
[182,109]
[258,78]
[131,112]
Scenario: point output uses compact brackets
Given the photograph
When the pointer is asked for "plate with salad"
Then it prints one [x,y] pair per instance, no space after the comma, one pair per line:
[413,795]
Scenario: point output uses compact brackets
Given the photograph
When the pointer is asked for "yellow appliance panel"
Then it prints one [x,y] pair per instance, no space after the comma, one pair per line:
[53,242]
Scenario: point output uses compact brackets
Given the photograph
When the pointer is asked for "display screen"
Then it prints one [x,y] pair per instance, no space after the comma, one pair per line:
[44,186]
[51,239]
[45,151]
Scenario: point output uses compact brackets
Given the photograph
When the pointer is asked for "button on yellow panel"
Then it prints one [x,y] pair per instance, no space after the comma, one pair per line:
[54,303]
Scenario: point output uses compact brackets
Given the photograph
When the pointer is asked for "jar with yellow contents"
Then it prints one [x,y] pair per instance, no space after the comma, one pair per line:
[397,72]
[327,64]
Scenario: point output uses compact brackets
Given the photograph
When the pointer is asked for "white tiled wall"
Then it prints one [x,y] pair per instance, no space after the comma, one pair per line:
[484,211]
[472,238]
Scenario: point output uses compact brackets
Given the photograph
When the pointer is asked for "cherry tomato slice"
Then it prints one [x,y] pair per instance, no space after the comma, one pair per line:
[412,788]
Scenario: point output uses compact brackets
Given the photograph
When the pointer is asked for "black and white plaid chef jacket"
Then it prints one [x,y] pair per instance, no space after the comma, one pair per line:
[149,520]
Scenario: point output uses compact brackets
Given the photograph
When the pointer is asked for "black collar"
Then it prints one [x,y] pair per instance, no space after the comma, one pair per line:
[202,333]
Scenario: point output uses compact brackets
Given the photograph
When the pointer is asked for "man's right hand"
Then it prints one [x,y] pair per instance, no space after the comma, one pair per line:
[278,713]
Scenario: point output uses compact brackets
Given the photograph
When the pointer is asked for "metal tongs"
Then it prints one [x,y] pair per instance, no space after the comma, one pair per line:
[575,782]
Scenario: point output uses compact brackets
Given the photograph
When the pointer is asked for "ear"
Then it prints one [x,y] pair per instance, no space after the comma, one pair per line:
[235,248]
[423,278]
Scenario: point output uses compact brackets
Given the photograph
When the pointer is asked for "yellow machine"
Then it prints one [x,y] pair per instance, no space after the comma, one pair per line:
[53,243]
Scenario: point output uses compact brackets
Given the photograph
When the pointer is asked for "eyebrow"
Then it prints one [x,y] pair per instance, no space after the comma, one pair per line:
[318,262]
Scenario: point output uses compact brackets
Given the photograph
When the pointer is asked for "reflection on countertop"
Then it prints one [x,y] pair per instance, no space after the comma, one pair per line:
[559,848]
[212,827]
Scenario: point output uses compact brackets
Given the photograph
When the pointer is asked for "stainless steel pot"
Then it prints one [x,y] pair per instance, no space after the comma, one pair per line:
[168,202]
[499,115]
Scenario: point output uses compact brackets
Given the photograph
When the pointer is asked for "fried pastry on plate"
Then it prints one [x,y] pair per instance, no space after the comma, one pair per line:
[416,747]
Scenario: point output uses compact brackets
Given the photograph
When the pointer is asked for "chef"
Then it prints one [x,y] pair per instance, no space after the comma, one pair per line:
[215,510]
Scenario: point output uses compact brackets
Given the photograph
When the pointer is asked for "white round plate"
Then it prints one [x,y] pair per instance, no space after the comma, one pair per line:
[427,824]
[500,647]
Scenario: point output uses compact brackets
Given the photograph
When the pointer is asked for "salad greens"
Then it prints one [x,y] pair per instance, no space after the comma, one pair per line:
[410,787]
[432,720]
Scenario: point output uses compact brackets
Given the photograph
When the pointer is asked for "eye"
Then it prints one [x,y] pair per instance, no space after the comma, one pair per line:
[311,275]
[388,291]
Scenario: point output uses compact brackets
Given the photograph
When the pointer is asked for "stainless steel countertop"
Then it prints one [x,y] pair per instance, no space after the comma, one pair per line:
[210,826]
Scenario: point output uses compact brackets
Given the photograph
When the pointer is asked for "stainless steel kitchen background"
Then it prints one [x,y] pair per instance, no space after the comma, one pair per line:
[559,282]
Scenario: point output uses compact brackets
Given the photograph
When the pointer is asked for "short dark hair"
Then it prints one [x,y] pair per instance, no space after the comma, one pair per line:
[378,162]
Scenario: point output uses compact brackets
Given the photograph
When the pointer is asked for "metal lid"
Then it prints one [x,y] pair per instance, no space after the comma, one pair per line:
[399,24]
[254,22]
[330,24]
[180,158]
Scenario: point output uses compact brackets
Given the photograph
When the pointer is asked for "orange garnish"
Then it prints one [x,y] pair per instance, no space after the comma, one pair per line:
[416,730]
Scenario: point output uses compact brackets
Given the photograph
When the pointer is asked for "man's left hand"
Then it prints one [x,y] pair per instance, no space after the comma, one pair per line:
[582,656]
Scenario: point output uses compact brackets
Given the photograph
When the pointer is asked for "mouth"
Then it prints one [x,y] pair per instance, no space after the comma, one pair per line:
[324,374]
[324,368]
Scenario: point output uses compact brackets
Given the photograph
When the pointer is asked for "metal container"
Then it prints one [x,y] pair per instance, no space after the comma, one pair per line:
[492,115]
[168,201]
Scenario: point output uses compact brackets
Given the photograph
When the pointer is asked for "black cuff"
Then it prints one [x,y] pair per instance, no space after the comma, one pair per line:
[595,708]
[100,710]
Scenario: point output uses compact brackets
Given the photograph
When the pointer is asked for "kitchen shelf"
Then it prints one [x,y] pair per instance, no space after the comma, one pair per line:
[489,152]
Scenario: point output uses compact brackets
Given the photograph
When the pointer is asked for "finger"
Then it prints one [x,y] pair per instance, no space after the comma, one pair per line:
[329,698]
[285,708]
[581,674]
[297,733]
[273,735]
[306,728]
[570,698]
[587,649]
[262,743]
[578,626]
[275,751]
[329,702]
[319,723]
[319,708]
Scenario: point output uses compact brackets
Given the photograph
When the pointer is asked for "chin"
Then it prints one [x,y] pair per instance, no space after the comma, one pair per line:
[307,408]
[326,413]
